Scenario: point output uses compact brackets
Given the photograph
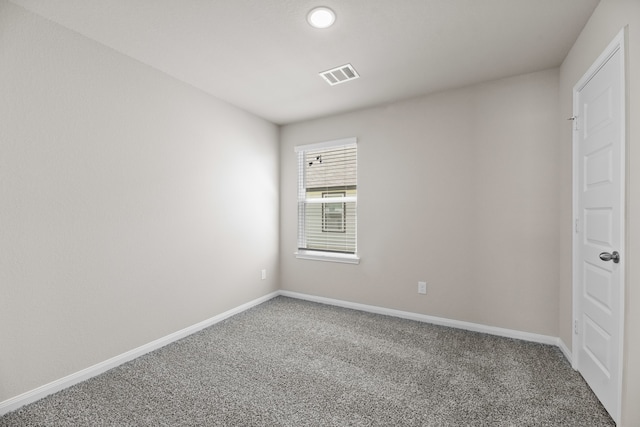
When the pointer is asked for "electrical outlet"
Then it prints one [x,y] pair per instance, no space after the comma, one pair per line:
[422,287]
[264,274]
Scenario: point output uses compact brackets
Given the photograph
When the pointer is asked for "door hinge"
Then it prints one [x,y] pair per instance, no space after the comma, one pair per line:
[576,225]
[576,327]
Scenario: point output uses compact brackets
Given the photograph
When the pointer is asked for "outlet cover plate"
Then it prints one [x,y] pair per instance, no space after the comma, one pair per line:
[422,287]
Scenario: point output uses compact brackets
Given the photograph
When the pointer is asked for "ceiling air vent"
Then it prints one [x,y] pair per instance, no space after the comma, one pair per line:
[341,74]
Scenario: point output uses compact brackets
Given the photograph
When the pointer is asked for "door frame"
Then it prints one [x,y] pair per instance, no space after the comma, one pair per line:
[617,44]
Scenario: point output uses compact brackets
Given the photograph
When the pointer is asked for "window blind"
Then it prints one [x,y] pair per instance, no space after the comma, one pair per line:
[327,196]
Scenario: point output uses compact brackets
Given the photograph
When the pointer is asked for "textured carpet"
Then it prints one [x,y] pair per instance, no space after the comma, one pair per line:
[295,363]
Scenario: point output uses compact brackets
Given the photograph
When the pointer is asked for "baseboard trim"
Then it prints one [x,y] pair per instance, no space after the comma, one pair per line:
[31,396]
[565,350]
[36,394]
[469,326]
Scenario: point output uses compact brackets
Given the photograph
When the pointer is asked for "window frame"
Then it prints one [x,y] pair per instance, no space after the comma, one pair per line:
[315,254]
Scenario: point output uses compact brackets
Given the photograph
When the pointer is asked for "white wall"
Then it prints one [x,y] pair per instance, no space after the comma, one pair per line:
[458,189]
[607,20]
[131,205]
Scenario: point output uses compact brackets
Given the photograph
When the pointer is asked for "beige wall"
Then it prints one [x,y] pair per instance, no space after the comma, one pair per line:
[458,189]
[608,19]
[119,227]
[118,223]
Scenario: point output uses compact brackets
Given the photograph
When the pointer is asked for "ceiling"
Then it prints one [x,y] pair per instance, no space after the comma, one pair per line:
[262,56]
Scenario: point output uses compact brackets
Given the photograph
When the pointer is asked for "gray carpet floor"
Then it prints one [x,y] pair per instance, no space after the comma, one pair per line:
[295,363]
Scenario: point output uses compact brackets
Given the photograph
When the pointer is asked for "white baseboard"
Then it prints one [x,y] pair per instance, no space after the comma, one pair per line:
[475,327]
[92,371]
[36,394]
[565,350]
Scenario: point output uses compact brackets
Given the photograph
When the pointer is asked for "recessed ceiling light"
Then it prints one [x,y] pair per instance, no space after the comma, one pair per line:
[321,17]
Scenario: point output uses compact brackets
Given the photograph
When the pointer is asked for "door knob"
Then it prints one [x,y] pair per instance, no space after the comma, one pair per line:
[606,256]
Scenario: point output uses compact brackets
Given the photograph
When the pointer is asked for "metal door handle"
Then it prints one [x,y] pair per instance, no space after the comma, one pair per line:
[606,256]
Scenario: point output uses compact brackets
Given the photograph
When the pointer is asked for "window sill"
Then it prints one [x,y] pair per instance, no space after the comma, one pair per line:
[328,257]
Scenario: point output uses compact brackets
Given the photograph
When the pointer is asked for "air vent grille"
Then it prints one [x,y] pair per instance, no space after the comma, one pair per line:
[341,74]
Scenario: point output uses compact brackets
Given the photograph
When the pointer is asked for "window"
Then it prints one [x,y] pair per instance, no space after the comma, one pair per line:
[327,201]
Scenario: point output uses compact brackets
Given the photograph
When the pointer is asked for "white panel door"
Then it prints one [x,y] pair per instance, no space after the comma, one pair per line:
[599,243]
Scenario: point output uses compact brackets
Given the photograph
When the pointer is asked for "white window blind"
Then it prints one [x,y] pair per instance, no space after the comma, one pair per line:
[327,197]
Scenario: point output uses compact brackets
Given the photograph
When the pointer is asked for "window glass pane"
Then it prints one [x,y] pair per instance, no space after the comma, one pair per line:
[325,174]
